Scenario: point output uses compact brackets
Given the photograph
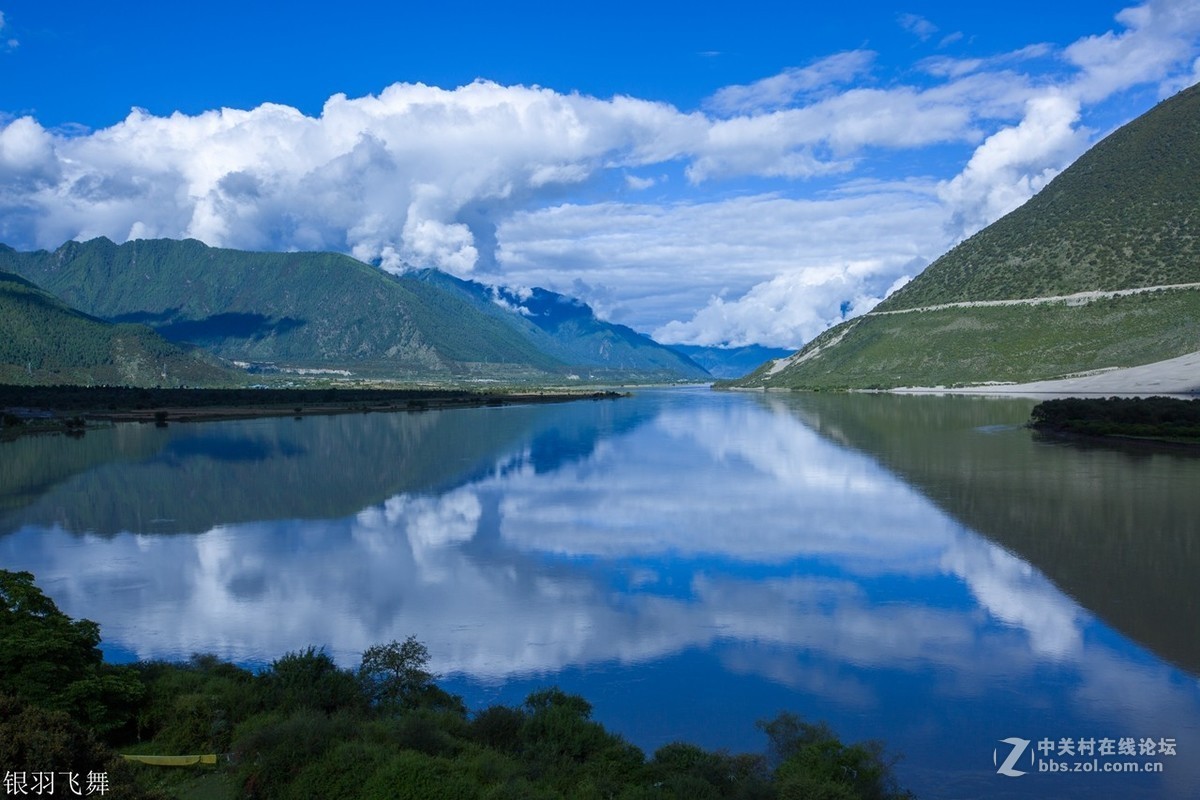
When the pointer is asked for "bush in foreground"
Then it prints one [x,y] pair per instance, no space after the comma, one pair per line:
[307,728]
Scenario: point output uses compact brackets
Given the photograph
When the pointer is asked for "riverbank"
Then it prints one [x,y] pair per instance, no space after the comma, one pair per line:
[70,409]
[1175,376]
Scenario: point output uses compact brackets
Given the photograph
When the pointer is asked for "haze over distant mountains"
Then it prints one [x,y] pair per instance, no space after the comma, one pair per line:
[325,311]
[1069,282]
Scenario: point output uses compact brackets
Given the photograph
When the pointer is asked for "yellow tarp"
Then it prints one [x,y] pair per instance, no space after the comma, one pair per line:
[174,761]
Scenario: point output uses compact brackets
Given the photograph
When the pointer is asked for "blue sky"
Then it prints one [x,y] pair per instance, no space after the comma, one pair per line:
[705,172]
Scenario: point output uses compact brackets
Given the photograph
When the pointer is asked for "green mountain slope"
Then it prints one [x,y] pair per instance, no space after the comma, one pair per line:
[1126,215]
[42,340]
[325,310]
[297,309]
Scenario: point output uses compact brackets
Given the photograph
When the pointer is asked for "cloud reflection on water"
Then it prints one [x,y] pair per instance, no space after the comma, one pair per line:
[721,525]
[519,570]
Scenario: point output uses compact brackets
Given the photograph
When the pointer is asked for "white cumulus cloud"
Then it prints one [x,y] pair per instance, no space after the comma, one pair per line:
[1014,163]
[1157,38]
[385,177]
[1157,45]
[638,184]
[780,207]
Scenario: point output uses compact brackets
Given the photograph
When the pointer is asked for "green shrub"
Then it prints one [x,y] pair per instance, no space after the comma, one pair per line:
[415,776]
[498,728]
[488,768]
[340,772]
[812,762]
[39,740]
[310,679]
[687,771]
[273,749]
[430,732]
[566,750]
[1163,417]
[53,661]
[195,706]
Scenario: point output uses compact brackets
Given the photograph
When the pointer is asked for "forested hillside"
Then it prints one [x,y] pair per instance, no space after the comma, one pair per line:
[326,310]
[42,340]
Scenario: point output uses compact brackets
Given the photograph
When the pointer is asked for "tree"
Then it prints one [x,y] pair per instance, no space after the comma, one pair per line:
[34,740]
[395,673]
[53,661]
[310,679]
[810,762]
[41,648]
[564,748]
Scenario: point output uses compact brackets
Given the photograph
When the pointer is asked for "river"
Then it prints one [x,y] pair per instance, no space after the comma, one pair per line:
[921,570]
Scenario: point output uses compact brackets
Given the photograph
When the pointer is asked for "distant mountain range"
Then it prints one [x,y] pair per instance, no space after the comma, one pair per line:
[1062,285]
[730,362]
[325,311]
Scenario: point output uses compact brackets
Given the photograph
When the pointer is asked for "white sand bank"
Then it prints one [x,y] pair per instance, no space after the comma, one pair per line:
[1174,376]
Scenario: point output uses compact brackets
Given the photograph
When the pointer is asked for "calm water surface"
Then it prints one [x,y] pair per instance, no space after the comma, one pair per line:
[917,569]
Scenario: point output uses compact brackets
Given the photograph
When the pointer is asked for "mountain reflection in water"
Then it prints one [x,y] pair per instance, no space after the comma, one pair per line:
[901,566]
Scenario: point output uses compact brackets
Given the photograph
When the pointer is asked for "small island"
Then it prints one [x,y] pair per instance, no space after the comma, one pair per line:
[1168,420]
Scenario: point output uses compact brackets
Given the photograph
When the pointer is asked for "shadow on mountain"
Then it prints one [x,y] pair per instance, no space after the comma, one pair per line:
[228,326]
[148,318]
[1114,528]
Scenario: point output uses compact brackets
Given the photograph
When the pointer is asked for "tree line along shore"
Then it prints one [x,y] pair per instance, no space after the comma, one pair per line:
[1169,420]
[36,409]
[305,727]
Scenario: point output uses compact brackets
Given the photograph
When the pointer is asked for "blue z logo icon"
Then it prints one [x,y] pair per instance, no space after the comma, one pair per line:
[1018,749]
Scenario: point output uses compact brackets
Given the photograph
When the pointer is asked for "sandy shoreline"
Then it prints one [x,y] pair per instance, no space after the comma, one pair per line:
[1175,376]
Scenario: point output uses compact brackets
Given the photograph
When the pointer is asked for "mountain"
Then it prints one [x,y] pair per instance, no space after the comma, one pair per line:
[315,311]
[1124,218]
[730,362]
[43,340]
[567,329]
